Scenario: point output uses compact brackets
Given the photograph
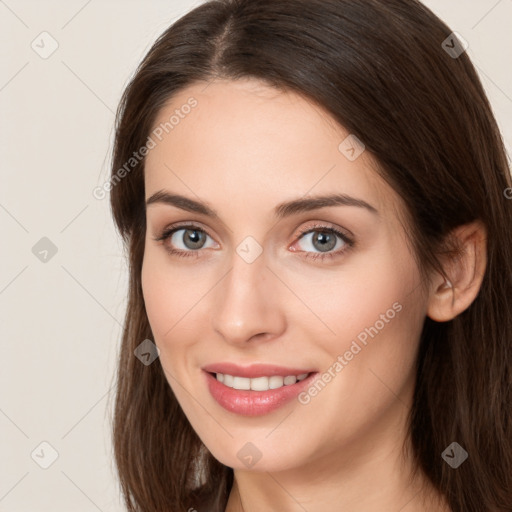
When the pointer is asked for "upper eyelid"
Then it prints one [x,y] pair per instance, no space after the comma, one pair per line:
[320,226]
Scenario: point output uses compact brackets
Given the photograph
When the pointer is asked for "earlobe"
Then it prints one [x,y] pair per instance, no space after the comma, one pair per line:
[465,271]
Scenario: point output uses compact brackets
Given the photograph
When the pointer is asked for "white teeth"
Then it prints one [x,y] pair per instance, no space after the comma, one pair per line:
[241,383]
[259,383]
[275,382]
[291,379]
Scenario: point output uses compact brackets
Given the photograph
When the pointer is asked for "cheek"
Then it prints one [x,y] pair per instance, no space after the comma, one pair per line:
[369,363]
[168,292]
[377,313]
[372,294]
[175,298]
[374,311]
[158,296]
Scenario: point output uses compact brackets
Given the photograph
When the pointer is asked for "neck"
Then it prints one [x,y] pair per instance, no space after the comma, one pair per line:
[370,474]
[276,491]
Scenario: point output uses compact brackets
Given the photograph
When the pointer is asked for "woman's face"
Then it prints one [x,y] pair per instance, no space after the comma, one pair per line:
[259,284]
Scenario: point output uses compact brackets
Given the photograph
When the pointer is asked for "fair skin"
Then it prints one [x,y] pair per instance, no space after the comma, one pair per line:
[242,150]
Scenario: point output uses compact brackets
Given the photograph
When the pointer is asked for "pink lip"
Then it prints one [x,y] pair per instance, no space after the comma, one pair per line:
[254,370]
[255,403]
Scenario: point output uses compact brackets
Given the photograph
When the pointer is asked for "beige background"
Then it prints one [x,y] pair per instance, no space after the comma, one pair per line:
[61,319]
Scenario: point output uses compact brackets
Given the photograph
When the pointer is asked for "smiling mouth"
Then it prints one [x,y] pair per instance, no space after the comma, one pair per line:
[256,396]
[264,383]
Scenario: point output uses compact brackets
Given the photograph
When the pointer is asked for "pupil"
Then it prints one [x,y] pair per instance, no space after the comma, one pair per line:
[325,243]
[194,239]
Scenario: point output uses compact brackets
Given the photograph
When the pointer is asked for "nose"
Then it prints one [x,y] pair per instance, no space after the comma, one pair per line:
[247,303]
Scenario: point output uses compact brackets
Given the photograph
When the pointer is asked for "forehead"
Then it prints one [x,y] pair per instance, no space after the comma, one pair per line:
[244,138]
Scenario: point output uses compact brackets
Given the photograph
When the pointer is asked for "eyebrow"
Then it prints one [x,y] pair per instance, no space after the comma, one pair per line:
[281,211]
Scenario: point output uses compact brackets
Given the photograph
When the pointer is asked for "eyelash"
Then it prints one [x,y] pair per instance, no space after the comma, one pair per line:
[349,243]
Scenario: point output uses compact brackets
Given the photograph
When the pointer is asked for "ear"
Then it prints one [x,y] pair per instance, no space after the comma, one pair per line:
[465,273]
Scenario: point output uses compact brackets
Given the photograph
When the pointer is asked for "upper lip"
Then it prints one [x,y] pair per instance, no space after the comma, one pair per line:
[254,370]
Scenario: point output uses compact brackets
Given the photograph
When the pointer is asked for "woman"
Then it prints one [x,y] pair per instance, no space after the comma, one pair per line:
[313,197]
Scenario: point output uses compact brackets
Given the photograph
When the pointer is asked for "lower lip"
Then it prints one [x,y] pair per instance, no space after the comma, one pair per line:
[254,403]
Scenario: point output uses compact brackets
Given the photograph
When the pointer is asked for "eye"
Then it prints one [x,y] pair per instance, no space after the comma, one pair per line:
[188,243]
[324,239]
[187,240]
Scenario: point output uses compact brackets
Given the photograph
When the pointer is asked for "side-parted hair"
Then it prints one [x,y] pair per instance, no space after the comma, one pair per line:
[384,71]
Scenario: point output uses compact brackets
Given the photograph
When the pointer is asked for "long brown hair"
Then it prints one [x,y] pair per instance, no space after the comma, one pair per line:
[382,69]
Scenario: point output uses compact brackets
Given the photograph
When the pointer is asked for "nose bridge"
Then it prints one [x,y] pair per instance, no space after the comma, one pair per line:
[246,302]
